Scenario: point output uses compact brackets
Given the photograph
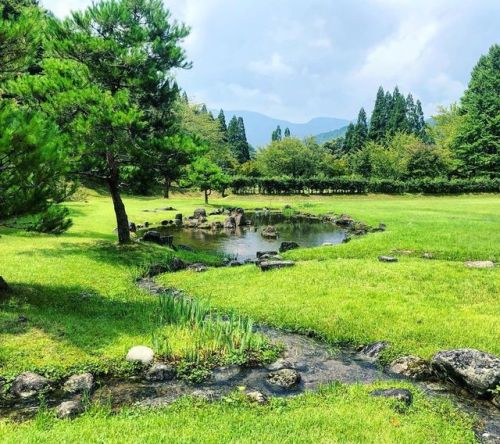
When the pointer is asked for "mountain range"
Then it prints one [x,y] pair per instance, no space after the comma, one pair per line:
[259,127]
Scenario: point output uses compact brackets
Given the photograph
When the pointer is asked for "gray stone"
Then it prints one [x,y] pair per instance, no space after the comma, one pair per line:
[479,264]
[178,216]
[270,257]
[387,259]
[160,373]
[140,353]
[177,264]
[206,395]
[197,268]
[402,395]
[224,374]
[230,223]
[345,220]
[274,265]
[428,256]
[286,246]
[69,409]
[79,383]
[477,371]
[257,397]
[199,213]
[239,217]
[411,367]
[132,227]
[152,236]
[270,232]
[373,351]
[286,378]
[269,253]
[29,384]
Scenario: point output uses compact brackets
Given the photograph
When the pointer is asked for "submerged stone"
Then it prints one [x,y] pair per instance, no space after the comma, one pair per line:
[285,378]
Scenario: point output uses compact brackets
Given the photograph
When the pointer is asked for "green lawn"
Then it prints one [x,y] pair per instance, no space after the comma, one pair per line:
[84,311]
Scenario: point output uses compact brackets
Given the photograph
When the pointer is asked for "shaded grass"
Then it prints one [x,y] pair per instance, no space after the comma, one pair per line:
[337,414]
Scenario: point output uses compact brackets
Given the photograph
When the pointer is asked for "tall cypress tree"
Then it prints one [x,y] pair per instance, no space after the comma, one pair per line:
[222,125]
[397,118]
[361,128]
[244,150]
[276,135]
[349,139]
[378,120]
[238,140]
[411,115]
[287,132]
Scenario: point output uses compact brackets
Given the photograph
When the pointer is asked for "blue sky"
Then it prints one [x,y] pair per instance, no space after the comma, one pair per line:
[297,60]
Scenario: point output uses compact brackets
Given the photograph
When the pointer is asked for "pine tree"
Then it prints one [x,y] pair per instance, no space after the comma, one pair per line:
[397,118]
[287,132]
[411,115]
[477,146]
[244,149]
[276,135]
[222,124]
[204,109]
[379,117]
[360,135]
[349,139]
[238,140]
[420,122]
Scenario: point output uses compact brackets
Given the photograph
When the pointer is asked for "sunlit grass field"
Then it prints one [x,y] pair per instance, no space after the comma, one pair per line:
[83,311]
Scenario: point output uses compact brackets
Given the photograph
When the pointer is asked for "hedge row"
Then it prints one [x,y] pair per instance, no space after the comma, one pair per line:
[348,185]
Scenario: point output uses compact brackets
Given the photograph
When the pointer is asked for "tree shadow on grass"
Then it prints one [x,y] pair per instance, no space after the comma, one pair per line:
[76,315]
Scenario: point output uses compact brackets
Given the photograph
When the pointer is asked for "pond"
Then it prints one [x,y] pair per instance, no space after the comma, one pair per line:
[244,242]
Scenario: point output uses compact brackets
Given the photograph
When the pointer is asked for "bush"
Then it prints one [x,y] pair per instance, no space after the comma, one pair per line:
[54,220]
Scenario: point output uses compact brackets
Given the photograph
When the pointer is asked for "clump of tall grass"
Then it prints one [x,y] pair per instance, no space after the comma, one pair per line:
[213,334]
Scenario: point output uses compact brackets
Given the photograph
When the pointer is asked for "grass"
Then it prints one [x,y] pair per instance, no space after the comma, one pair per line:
[335,415]
[75,307]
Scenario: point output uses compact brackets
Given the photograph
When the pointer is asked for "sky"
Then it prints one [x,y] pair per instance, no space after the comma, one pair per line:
[297,60]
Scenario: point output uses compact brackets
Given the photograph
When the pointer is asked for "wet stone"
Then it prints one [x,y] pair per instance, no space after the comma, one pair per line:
[79,383]
[286,246]
[274,265]
[257,397]
[387,259]
[411,367]
[224,374]
[373,351]
[28,385]
[160,373]
[286,378]
[69,409]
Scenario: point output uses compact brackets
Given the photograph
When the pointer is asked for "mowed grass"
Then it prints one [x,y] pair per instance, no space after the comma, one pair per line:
[335,415]
[84,311]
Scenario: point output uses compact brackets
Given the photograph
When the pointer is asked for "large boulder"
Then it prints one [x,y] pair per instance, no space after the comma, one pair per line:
[28,385]
[200,213]
[286,378]
[411,367]
[477,371]
[140,353]
[230,223]
[274,265]
[152,236]
[69,409]
[239,217]
[286,246]
[268,253]
[82,383]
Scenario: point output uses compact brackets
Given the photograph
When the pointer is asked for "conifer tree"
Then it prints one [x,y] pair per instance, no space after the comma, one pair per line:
[244,148]
[349,139]
[287,132]
[397,118]
[361,130]
[276,135]
[379,116]
[222,124]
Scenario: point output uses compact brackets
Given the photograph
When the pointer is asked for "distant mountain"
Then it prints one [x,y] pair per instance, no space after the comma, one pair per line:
[259,127]
[330,135]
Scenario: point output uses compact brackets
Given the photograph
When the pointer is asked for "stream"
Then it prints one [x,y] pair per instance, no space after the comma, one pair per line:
[317,363]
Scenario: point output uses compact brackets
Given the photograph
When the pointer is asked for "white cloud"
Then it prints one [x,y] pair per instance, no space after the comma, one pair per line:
[242,92]
[321,43]
[275,66]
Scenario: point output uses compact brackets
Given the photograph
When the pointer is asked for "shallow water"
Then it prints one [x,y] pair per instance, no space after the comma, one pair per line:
[244,242]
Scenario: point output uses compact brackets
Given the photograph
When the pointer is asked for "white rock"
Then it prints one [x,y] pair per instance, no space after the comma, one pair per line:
[140,353]
[479,264]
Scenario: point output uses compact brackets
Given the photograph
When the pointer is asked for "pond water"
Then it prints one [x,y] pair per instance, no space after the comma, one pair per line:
[244,242]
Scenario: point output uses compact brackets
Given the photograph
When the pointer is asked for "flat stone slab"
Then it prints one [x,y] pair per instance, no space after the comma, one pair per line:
[387,259]
[479,264]
[275,265]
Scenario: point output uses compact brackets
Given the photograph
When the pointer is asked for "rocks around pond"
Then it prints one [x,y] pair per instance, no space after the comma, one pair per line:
[256,397]
[270,232]
[259,254]
[79,383]
[412,367]
[229,223]
[28,385]
[275,265]
[373,351]
[69,409]
[160,373]
[269,257]
[156,238]
[140,353]
[197,268]
[177,264]
[286,246]
[387,259]
[477,371]
[200,213]
[402,395]
[479,264]
[286,378]
[224,374]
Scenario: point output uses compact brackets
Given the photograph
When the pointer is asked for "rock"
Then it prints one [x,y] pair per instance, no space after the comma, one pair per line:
[4,287]
[167,209]
[140,353]
[381,227]
[152,236]
[160,373]
[286,246]
[269,253]
[479,264]
[285,378]
[79,383]
[178,223]
[478,371]
[270,257]
[230,223]
[344,220]
[327,244]
[146,224]
[205,226]
[199,213]
[387,259]
[29,384]
[165,222]
[185,248]
[234,264]
[178,216]
[273,265]
[495,400]
[132,227]
[69,409]
[411,367]
[206,395]
[239,217]
[402,395]
[197,268]
[257,397]
[270,232]
[177,264]
[373,350]
[428,256]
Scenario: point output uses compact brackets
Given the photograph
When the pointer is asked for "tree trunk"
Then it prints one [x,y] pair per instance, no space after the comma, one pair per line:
[207,193]
[121,214]
[166,189]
